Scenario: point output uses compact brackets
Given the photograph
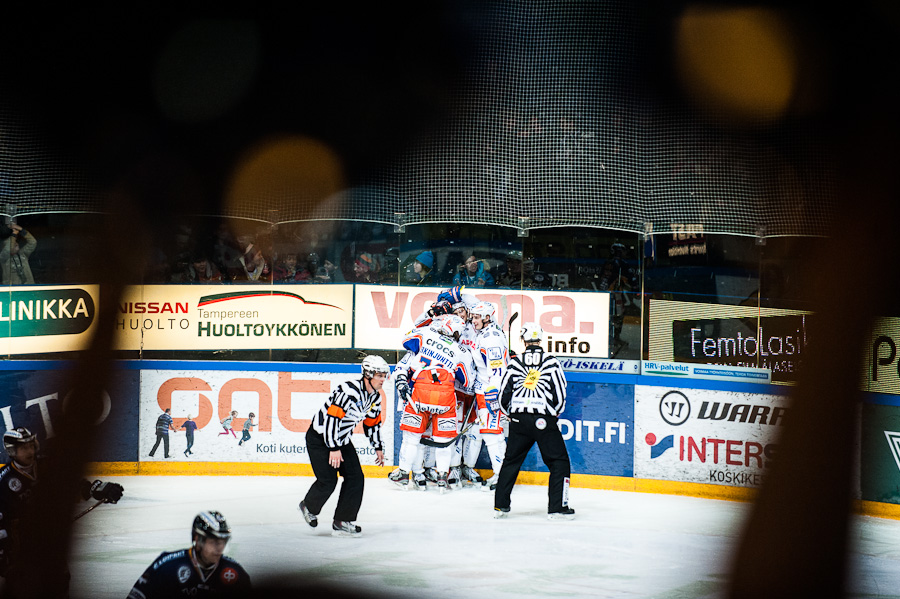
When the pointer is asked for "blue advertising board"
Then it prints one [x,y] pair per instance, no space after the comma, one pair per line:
[598,426]
[36,399]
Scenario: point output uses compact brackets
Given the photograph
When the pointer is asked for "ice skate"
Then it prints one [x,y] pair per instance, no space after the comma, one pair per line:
[345,529]
[566,513]
[454,480]
[443,484]
[491,483]
[431,475]
[400,478]
[501,512]
[310,517]
[470,476]
[420,481]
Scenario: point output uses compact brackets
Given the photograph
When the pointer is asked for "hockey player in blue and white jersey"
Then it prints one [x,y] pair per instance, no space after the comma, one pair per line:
[199,571]
[491,355]
[424,379]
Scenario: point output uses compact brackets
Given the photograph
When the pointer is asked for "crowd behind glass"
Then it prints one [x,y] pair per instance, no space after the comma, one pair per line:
[685,263]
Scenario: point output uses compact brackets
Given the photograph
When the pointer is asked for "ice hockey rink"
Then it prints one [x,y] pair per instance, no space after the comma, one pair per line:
[425,544]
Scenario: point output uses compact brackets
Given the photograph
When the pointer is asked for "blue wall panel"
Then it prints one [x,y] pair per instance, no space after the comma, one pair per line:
[35,399]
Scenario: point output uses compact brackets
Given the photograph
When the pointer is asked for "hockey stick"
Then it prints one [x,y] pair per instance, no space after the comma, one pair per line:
[429,442]
[512,319]
[90,509]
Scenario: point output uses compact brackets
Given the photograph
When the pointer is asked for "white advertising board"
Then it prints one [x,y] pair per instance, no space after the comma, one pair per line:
[201,317]
[575,324]
[284,404]
[706,436]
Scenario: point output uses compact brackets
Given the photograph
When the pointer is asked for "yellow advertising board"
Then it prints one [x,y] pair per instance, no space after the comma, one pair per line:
[574,323]
[209,317]
[39,319]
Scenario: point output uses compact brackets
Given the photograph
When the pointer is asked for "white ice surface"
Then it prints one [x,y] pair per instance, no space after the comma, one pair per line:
[429,545]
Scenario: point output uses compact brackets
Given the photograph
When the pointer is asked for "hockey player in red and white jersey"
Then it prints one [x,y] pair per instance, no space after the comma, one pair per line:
[425,378]
[452,301]
[465,393]
[491,355]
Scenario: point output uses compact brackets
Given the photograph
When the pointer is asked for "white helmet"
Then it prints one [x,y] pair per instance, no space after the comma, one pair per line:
[485,310]
[531,332]
[451,326]
[372,365]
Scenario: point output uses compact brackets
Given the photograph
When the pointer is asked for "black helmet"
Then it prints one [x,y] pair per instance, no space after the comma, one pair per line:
[211,524]
[16,437]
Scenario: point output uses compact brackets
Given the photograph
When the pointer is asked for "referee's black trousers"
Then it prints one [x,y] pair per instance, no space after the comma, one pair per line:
[524,432]
[350,497]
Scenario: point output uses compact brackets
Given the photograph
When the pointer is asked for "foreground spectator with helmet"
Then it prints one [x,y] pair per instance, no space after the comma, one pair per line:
[331,451]
[533,394]
[202,570]
[424,379]
[18,479]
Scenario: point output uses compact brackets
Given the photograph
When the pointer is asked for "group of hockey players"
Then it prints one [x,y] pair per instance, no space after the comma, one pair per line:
[448,383]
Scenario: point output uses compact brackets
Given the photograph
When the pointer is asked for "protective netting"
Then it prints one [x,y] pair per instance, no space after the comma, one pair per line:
[552,125]
[556,128]
[34,179]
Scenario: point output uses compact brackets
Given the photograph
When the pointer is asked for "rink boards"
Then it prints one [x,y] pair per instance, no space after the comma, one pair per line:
[623,431]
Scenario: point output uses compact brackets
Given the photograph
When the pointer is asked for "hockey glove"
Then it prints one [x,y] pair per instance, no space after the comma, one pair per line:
[403,390]
[483,417]
[451,296]
[107,492]
[440,308]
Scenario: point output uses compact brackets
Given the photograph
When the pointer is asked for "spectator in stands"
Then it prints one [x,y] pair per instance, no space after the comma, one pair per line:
[474,273]
[365,269]
[288,271]
[17,245]
[253,266]
[511,274]
[390,271]
[227,251]
[520,273]
[322,270]
[422,267]
[199,270]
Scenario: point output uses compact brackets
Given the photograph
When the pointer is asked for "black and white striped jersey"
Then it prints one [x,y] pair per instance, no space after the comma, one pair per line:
[347,406]
[534,382]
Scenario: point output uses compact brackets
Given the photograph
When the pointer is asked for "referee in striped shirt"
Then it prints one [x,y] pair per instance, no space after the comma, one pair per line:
[331,451]
[533,394]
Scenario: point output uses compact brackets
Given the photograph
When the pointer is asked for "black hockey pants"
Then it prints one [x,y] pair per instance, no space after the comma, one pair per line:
[524,431]
[350,497]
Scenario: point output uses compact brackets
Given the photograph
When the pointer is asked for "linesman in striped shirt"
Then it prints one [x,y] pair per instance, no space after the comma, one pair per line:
[328,443]
[533,394]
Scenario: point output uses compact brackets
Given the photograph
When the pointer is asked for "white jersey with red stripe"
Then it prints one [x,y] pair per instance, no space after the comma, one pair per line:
[491,355]
[426,349]
[468,341]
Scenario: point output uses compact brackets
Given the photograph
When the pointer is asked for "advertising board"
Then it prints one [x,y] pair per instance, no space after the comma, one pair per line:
[210,317]
[706,436]
[575,324]
[46,319]
[284,404]
[36,400]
